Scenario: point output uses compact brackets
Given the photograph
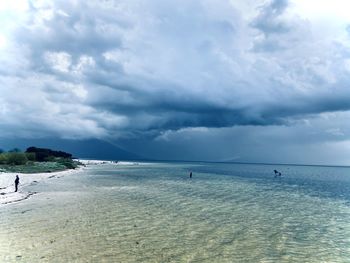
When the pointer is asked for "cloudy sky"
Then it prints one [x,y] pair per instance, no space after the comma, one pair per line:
[250,81]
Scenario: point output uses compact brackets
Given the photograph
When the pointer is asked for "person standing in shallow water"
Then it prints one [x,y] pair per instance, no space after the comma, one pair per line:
[190,174]
[16,183]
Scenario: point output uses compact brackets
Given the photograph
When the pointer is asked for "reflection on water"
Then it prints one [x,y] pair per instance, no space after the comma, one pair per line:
[155,213]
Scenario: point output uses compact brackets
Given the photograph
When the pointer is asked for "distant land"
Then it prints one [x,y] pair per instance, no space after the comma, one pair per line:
[84,149]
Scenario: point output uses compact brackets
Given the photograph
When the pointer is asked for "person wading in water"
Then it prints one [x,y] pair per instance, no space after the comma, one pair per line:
[16,183]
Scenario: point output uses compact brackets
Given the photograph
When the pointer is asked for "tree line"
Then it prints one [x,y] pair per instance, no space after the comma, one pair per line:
[34,154]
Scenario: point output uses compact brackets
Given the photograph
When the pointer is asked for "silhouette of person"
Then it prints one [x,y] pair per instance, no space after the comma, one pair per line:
[16,183]
[190,174]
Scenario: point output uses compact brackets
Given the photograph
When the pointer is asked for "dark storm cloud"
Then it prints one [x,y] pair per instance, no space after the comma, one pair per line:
[123,68]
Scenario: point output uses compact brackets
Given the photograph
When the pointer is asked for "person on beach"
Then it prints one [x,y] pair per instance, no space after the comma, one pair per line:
[190,174]
[16,183]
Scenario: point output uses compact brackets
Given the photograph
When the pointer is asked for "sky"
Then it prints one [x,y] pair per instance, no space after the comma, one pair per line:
[230,80]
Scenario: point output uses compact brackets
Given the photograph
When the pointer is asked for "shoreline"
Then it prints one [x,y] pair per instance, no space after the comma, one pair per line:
[8,196]
[7,193]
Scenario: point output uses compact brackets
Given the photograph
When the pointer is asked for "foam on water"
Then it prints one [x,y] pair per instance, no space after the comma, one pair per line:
[155,213]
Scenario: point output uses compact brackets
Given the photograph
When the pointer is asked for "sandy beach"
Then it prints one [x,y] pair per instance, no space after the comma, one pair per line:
[7,188]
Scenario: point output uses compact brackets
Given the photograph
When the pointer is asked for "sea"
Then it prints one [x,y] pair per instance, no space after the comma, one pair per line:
[153,212]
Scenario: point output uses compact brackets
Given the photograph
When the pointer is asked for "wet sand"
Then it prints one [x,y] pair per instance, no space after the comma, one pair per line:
[7,186]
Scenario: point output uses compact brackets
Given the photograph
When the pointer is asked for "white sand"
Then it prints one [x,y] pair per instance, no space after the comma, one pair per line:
[7,186]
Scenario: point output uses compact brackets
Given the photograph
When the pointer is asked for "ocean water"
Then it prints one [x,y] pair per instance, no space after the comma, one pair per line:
[153,212]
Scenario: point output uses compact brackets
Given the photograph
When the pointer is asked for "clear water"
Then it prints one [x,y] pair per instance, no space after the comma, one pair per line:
[155,213]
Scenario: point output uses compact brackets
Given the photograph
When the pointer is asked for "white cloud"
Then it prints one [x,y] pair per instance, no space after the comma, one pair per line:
[3,41]
[14,5]
[60,61]
[335,11]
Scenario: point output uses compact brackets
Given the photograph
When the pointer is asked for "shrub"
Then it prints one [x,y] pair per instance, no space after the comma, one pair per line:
[16,158]
[3,158]
[68,163]
[31,156]
[49,159]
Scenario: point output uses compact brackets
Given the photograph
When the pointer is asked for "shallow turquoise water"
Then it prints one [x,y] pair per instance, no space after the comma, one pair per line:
[155,213]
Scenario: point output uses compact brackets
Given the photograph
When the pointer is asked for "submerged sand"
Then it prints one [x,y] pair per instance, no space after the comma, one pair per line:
[156,213]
